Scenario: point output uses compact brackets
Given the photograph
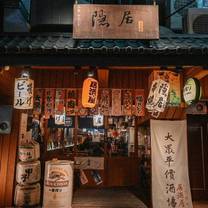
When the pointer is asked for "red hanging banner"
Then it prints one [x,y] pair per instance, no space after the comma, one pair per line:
[71,101]
[49,103]
[60,101]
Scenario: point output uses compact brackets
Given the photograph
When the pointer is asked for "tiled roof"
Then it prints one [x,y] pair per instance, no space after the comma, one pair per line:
[61,49]
[33,43]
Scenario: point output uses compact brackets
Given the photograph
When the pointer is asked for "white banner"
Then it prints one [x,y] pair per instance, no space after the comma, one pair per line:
[170,180]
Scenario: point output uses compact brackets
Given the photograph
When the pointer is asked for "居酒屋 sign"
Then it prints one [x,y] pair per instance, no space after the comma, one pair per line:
[115,21]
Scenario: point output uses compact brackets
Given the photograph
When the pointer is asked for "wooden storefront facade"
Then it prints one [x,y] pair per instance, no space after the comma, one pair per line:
[58,61]
[62,77]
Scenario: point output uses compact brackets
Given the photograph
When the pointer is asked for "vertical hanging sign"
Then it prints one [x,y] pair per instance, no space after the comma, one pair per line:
[104,102]
[38,101]
[127,102]
[23,93]
[59,107]
[71,101]
[170,180]
[49,102]
[116,102]
[139,103]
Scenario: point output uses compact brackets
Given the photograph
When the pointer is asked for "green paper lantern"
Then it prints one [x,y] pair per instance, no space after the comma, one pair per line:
[192,91]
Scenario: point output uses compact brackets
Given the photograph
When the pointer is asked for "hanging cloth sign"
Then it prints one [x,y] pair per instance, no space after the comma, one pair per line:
[139,103]
[59,102]
[170,180]
[192,91]
[104,102]
[158,96]
[98,120]
[23,93]
[38,101]
[174,98]
[59,107]
[49,103]
[71,101]
[23,127]
[116,102]
[89,93]
[127,102]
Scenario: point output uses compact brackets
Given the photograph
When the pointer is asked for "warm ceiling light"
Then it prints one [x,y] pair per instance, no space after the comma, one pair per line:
[6,68]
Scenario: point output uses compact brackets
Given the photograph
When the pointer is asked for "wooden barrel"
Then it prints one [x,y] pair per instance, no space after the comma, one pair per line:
[28,195]
[29,151]
[58,184]
[28,172]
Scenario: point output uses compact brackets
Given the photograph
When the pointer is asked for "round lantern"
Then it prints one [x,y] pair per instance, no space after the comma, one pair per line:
[192,91]
[89,93]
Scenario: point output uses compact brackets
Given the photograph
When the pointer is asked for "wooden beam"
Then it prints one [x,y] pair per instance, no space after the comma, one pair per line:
[196,72]
[146,68]
[103,77]
[52,67]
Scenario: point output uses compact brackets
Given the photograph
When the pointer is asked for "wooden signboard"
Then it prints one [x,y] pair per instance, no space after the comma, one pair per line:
[93,21]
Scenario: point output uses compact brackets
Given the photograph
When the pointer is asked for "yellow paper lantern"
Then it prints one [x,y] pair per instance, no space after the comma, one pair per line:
[89,93]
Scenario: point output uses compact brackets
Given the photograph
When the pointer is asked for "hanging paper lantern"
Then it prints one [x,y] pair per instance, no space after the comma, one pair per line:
[192,91]
[23,93]
[89,93]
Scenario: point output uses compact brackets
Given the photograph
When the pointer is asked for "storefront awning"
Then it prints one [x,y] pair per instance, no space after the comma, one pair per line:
[62,49]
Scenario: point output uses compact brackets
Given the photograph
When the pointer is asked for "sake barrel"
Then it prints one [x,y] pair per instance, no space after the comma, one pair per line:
[28,172]
[28,195]
[29,151]
[58,184]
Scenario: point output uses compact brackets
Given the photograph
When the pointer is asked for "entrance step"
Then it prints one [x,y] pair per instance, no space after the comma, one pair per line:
[106,198]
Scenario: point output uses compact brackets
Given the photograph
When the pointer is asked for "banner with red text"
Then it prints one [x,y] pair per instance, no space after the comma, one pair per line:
[170,180]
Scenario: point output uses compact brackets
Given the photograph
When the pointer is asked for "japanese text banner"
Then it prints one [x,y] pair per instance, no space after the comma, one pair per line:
[170,180]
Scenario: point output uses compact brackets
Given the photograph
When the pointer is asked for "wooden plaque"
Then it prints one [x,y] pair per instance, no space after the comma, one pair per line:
[93,21]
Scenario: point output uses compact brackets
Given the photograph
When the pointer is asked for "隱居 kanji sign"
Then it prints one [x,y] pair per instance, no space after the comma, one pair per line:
[93,21]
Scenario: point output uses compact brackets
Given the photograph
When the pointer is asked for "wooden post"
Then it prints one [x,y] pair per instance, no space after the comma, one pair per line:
[136,137]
